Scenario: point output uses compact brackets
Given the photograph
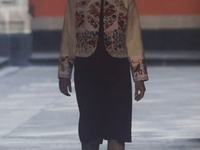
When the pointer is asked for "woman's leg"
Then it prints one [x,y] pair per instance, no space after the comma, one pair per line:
[115,145]
[93,145]
[90,146]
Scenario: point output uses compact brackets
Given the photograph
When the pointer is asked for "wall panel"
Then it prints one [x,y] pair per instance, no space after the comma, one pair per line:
[145,7]
[48,7]
[168,7]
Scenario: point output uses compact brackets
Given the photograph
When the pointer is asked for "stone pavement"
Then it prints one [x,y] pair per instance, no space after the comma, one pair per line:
[34,115]
[153,57]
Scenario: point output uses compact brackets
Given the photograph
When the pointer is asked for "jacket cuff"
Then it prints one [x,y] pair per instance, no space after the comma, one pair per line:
[65,67]
[139,70]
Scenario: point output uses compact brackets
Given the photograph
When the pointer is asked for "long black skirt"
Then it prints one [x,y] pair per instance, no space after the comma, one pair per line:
[104,96]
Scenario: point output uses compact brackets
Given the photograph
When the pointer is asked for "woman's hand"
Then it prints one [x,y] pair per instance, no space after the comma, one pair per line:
[65,86]
[139,90]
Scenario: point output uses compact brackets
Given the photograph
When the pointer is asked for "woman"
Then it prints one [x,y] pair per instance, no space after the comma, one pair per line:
[102,39]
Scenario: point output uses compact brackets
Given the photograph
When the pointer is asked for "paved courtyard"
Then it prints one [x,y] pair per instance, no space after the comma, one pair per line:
[34,115]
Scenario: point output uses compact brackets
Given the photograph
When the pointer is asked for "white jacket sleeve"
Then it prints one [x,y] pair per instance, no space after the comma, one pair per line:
[134,44]
[68,43]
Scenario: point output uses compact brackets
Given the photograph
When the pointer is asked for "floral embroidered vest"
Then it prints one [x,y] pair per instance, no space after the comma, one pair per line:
[87,24]
[122,34]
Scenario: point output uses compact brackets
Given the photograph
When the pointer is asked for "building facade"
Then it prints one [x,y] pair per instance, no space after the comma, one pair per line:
[166,25]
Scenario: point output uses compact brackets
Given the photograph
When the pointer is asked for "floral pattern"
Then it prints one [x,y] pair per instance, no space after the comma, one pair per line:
[145,67]
[82,3]
[118,41]
[122,21]
[65,62]
[93,16]
[136,65]
[114,42]
[120,5]
[86,41]
[80,19]
[139,69]
[108,40]
[110,15]
[65,67]
[115,17]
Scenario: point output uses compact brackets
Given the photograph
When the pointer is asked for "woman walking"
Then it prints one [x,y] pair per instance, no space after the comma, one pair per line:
[102,40]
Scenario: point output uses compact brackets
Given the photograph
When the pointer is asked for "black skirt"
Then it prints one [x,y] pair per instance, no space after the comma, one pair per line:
[104,98]
[104,95]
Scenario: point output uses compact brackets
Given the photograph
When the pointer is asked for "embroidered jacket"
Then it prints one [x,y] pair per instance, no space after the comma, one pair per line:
[122,34]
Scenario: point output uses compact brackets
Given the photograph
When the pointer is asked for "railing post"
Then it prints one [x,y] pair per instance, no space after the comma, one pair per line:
[15,29]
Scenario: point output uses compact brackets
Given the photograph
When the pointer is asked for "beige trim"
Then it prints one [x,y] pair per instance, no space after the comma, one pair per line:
[170,22]
[47,23]
[147,22]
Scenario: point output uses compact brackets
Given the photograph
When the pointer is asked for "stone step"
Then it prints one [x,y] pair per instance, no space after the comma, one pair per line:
[3,61]
[44,58]
[152,58]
